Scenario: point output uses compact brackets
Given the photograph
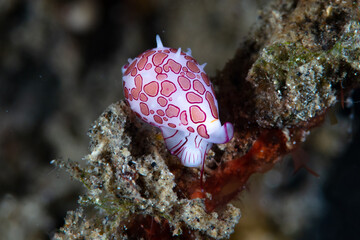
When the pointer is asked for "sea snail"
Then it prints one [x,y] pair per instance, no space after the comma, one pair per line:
[170,90]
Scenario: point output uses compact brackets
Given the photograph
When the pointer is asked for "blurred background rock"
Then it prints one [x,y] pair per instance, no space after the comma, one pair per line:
[60,67]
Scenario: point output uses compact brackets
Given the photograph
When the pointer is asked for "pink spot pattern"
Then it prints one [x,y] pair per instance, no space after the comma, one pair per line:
[151,89]
[184,83]
[169,89]
[172,111]
[192,97]
[183,118]
[199,87]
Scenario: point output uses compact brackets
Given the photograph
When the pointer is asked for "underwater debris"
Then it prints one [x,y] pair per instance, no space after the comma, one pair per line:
[128,179]
[279,86]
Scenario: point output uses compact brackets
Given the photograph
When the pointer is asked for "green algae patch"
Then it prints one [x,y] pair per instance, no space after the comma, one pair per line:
[294,83]
[348,47]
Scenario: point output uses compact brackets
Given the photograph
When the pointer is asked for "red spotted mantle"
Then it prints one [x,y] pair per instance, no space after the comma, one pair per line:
[169,89]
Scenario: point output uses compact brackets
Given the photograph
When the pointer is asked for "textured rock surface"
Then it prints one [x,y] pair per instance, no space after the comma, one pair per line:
[127,175]
[295,63]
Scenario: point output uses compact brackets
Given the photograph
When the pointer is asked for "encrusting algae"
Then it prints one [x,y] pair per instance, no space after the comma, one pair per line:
[302,58]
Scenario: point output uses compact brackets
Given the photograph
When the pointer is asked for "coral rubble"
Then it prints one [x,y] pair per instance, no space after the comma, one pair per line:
[129,182]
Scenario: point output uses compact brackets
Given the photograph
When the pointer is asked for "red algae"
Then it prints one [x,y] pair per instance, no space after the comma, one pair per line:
[148,227]
[228,180]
